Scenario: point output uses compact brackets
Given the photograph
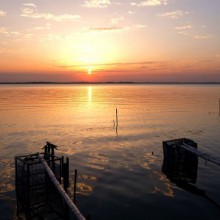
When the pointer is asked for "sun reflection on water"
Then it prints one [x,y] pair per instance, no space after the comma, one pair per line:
[89,94]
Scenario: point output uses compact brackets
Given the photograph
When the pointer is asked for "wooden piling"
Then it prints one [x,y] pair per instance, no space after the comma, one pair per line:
[66,174]
[16,179]
[62,162]
[116,112]
[74,189]
[219,107]
[67,177]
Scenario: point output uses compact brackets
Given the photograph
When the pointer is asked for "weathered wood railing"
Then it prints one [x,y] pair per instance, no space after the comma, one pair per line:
[72,207]
[200,153]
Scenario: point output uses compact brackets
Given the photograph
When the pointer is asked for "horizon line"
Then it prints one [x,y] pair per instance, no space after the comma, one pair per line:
[109,82]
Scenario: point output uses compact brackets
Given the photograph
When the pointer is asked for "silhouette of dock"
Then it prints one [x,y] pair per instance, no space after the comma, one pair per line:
[180,165]
[41,181]
[191,146]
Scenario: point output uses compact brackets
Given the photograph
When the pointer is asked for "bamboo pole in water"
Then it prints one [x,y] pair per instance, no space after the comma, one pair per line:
[219,107]
[116,112]
[73,208]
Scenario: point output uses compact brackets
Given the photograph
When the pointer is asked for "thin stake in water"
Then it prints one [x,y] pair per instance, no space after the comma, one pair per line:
[219,107]
[74,193]
[116,117]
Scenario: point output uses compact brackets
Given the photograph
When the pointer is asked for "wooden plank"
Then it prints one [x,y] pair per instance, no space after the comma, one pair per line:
[73,208]
[200,153]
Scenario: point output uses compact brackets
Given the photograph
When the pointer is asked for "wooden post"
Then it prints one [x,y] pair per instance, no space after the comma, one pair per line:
[16,186]
[16,171]
[116,117]
[46,152]
[219,108]
[52,151]
[62,162]
[66,174]
[116,121]
[74,193]
[53,162]
[28,211]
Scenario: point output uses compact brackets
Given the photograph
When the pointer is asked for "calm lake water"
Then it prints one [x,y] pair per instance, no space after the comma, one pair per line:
[119,170]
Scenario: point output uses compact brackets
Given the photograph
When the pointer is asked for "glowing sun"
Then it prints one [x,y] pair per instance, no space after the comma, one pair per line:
[89,70]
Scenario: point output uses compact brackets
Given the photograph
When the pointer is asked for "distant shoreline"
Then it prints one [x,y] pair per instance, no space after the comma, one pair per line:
[106,83]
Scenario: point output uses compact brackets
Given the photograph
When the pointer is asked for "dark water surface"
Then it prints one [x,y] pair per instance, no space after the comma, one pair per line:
[120,171]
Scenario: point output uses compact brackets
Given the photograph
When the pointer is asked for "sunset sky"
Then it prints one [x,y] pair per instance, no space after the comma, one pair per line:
[109,40]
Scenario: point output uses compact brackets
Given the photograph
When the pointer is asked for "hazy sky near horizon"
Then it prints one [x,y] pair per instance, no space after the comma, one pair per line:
[106,40]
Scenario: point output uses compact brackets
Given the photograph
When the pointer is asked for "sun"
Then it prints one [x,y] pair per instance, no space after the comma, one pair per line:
[89,70]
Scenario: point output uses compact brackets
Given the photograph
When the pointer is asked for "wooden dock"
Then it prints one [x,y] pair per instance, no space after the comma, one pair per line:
[180,165]
[191,146]
[41,181]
